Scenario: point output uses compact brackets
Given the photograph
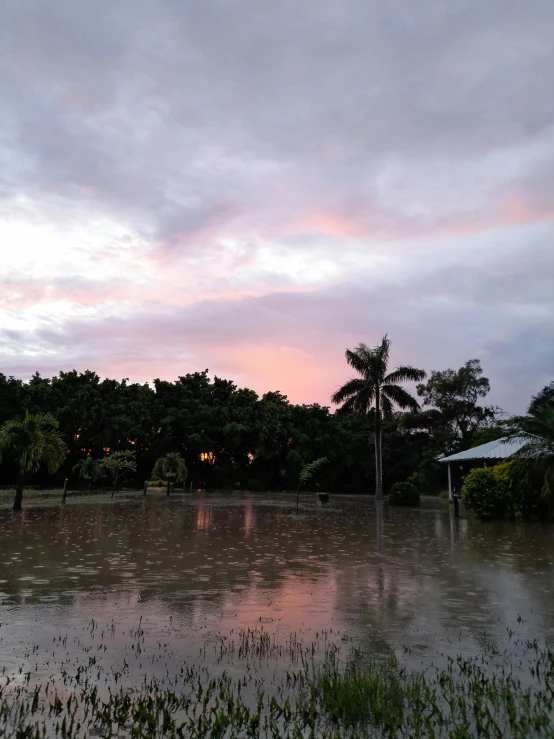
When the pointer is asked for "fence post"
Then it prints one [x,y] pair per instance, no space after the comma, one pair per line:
[145,486]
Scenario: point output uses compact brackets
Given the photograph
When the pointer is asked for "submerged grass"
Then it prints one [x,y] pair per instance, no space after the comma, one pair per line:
[321,692]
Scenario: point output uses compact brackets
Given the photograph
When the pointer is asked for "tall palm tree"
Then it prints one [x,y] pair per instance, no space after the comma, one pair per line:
[171,467]
[378,388]
[29,443]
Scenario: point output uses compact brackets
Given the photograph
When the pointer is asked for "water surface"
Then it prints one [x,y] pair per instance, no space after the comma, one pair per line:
[190,572]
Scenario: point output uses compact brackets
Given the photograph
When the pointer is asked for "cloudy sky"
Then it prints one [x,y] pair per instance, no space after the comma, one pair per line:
[253,186]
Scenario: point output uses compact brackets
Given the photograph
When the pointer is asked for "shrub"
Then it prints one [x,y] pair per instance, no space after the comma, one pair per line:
[489,492]
[404,493]
[157,483]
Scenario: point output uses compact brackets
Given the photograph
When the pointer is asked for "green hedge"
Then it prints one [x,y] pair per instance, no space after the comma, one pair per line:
[490,493]
[404,494]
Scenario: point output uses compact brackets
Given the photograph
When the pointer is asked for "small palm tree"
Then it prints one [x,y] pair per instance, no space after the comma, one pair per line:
[31,442]
[171,467]
[377,388]
[89,469]
[117,464]
[306,473]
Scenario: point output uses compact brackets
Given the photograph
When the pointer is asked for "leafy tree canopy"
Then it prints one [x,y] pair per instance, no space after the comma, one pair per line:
[456,394]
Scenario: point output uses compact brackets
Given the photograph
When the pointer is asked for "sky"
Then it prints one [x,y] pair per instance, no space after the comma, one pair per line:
[254,186]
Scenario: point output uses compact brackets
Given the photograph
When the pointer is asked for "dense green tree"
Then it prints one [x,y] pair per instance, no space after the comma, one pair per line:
[293,467]
[542,400]
[456,394]
[379,389]
[11,397]
[30,442]
[230,437]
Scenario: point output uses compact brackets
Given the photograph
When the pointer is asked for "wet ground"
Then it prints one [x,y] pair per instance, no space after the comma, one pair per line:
[143,584]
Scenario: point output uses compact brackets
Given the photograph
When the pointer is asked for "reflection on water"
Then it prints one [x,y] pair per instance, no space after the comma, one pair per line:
[204,518]
[194,566]
[248,518]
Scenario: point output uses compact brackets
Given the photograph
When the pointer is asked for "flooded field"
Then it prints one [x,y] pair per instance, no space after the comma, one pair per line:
[134,589]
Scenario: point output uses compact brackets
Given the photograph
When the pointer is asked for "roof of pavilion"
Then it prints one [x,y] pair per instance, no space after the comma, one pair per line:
[498,449]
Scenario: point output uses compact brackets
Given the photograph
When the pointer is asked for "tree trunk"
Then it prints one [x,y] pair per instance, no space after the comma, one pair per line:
[19,491]
[378,451]
[297,497]
[168,485]
[113,486]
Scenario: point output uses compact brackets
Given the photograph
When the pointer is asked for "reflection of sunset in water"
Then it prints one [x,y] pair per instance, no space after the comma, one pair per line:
[296,604]
[204,518]
[215,564]
[248,518]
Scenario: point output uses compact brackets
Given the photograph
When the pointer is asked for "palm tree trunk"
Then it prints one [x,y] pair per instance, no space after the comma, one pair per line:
[381,454]
[19,491]
[378,451]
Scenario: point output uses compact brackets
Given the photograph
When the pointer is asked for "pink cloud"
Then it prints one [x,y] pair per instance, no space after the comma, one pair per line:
[335,224]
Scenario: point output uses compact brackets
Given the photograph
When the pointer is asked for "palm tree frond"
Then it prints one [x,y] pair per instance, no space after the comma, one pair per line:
[400,396]
[33,441]
[348,390]
[405,373]
[358,358]
[381,353]
[309,469]
[170,466]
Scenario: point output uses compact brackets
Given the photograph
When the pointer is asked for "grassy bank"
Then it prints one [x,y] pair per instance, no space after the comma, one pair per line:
[326,693]
[30,494]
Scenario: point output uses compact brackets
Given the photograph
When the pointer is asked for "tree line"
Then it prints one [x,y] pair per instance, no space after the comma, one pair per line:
[230,437]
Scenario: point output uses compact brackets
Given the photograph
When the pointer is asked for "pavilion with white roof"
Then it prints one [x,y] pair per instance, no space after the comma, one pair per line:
[493,450]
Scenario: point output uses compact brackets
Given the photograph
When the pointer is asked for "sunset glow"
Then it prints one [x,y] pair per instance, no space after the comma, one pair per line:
[176,195]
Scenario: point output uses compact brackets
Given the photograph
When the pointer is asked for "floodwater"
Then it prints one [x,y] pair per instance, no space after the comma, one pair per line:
[191,571]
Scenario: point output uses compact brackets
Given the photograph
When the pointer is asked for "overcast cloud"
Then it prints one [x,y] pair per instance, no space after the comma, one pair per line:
[254,186]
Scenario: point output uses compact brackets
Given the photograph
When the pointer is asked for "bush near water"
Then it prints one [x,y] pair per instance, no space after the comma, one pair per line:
[404,494]
[505,491]
[490,493]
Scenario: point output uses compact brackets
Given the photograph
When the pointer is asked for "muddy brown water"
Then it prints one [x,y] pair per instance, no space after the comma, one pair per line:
[190,572]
